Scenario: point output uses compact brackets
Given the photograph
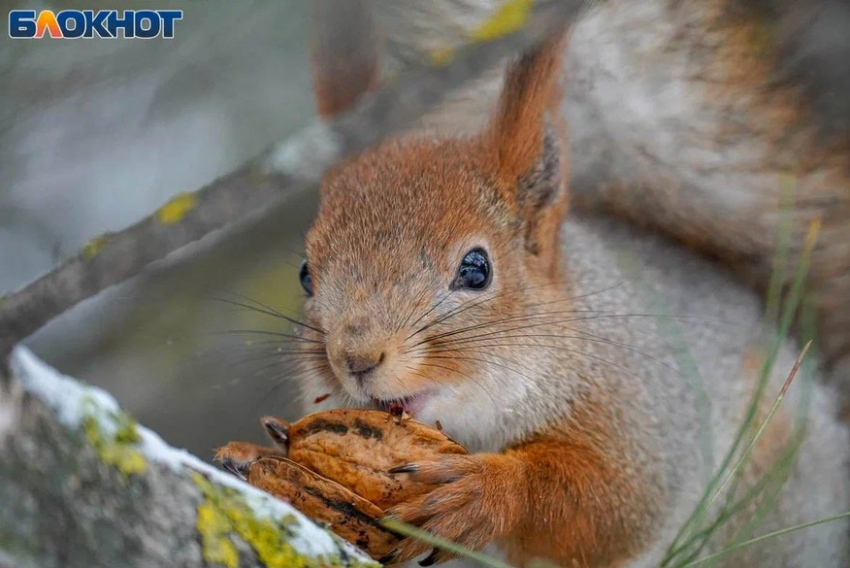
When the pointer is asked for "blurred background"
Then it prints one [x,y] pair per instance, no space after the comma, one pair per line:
[96,134]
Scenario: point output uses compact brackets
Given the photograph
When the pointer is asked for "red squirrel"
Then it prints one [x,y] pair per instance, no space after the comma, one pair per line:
[444,275]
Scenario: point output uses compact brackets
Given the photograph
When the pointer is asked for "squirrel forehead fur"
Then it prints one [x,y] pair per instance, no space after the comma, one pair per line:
[409,197]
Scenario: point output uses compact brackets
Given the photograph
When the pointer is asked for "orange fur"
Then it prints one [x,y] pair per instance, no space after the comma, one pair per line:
[566,496]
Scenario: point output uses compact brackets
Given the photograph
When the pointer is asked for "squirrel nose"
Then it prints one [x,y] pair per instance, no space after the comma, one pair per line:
[361,365]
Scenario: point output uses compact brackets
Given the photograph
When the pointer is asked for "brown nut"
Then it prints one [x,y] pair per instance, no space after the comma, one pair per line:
[349,515]
[356,448]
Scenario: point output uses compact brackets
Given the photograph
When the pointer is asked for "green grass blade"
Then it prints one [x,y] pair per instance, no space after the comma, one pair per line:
[698,541]
[768,536]
[684,539]
[773,408]
[405,529]
[780,259]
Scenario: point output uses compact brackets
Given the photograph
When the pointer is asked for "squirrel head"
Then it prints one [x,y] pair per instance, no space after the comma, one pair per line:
[427,252]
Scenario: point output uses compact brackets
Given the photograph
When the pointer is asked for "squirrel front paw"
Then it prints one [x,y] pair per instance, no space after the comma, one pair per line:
[478,498]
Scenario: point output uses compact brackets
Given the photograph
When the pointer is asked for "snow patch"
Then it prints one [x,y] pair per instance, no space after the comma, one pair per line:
[70,400]
[306,156]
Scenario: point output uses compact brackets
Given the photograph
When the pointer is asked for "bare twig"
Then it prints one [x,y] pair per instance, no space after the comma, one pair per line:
[266,181]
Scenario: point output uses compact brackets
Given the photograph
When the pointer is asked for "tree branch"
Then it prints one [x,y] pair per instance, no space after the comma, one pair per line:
[269,179]
[82,485]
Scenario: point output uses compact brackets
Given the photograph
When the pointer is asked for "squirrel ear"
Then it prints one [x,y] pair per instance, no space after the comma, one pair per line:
[518,129]
[526,139]
[345,54]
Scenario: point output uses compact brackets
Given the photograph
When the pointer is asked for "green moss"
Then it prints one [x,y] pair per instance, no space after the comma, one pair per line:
[118,449]
[224,514]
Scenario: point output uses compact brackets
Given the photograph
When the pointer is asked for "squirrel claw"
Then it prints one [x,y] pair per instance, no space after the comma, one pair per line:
[389,558]
[431,559]
[406,468]
[239,469]
[277,430]
[237,457]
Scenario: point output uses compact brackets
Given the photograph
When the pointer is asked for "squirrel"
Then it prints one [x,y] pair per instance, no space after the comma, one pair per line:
[444,276]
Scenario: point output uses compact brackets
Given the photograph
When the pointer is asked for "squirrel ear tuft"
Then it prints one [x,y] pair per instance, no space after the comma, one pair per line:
[518,129]
[527,142]
[345,54]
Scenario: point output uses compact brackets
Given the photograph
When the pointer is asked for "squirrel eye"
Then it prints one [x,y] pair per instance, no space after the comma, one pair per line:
[306,278]
[474,271]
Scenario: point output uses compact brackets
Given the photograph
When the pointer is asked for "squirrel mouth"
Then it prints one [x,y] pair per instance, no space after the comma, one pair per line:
[400,406]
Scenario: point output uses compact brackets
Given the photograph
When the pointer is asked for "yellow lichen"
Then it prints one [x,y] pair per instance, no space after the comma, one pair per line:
[126,432]
[92,248]
[510,17]
[176,209]
[214,528]
[119,449]
[224,515]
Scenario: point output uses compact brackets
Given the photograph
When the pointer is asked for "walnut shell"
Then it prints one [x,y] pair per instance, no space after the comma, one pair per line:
[335,468]
[356,448]
[349,515]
